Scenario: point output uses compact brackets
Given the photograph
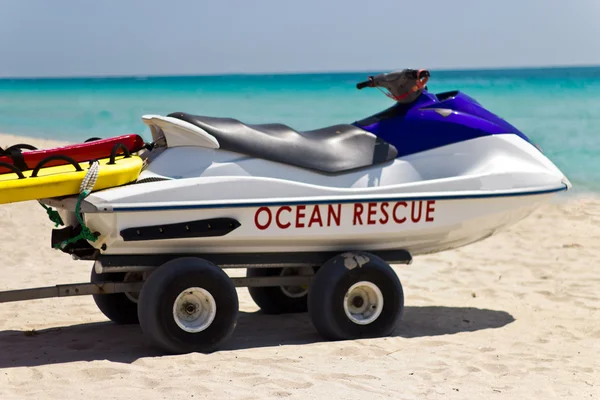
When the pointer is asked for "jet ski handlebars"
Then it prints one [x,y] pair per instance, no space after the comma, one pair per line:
[403,86]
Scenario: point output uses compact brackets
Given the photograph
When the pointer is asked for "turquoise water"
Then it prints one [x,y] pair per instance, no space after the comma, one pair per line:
[559,109]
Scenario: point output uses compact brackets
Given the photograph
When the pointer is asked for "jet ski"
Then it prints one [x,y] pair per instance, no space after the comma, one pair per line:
[433,172]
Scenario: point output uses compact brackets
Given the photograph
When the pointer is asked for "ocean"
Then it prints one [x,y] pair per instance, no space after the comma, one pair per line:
[558,108]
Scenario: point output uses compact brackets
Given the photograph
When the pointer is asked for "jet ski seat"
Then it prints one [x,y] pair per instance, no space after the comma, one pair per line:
[334,149]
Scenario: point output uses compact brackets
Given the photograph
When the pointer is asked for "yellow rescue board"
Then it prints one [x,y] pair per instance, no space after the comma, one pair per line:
[65,180]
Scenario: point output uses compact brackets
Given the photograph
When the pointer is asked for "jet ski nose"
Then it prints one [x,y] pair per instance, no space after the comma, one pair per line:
[565,181]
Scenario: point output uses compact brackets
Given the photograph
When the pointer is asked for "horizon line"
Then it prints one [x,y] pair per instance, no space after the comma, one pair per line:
[291,72]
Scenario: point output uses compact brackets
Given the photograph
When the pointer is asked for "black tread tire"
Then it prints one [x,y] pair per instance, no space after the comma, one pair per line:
[155,308]
[332,281]
[271,299]
[117,307]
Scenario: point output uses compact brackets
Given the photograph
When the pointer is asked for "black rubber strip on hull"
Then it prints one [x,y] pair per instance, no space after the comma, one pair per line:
[182,230]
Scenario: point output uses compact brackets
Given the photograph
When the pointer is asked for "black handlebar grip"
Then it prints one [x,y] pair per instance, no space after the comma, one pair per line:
[364,84]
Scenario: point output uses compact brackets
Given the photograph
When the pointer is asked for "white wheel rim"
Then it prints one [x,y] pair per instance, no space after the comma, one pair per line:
[194,309]
[296,291]
[363,303]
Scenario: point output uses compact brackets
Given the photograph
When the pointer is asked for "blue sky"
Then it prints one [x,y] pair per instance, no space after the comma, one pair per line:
[91,38]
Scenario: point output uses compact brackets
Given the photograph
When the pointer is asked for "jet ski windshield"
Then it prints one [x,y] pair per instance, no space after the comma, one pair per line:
[404,86]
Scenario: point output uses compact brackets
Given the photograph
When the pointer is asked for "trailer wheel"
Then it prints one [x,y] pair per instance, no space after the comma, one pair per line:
[120,308]
[188,305]
[280,299]
[355,295]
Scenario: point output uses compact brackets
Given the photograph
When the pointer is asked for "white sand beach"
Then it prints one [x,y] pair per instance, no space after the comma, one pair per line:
[516,316]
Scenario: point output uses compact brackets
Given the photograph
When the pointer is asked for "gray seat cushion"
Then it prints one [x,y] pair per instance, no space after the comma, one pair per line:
[333,149]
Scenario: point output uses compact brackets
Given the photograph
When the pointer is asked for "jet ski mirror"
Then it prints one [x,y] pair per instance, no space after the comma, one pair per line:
[404,86]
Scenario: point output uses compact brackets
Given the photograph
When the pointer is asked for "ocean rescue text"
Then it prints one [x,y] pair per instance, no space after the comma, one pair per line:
[321,215]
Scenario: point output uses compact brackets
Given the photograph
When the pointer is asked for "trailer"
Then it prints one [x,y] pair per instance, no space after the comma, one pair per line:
[187,302]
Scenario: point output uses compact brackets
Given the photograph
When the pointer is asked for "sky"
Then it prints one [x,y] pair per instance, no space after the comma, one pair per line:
[63,38]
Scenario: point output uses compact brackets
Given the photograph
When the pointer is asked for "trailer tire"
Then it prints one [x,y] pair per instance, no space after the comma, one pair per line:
[279,299]
[355,295]
[117,307]
[188,305]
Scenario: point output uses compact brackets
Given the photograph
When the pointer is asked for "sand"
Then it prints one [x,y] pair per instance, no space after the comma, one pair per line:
[513,316]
